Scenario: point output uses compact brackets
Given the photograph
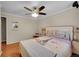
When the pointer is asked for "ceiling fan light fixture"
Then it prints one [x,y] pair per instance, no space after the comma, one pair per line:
[34,15]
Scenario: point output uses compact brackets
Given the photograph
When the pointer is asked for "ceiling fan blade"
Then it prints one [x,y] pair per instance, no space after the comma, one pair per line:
[28,9]
[41,13]
[41,8]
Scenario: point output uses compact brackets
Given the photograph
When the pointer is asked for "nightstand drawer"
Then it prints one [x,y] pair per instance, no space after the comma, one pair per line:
[75,47]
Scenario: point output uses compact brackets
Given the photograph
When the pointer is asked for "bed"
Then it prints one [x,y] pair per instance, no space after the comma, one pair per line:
[57,43]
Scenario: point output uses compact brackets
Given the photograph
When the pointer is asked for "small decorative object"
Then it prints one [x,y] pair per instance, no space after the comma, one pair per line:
[15,26]
[37,34]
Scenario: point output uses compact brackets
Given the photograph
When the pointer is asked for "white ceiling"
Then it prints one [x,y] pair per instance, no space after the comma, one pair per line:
[52,7]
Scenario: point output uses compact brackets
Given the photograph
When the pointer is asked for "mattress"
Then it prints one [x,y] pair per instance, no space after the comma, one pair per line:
[54,47]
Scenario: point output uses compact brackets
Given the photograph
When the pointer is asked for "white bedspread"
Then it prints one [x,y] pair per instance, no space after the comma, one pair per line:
[36,50]
[60,47]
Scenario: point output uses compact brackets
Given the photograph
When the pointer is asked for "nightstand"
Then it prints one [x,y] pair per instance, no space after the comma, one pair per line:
[75,47]
[0,53]
[35,36]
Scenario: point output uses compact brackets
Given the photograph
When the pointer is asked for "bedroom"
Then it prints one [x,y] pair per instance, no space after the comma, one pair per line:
[21,26]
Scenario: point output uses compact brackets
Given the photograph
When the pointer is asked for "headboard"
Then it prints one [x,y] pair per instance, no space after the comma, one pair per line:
[68,29]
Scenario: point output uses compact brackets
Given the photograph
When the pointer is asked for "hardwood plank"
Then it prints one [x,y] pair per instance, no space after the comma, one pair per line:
[11,50]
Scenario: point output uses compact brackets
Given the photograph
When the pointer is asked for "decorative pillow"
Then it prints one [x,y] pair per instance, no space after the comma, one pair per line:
[62,35]
[43,39]
[58,34]
[50,33]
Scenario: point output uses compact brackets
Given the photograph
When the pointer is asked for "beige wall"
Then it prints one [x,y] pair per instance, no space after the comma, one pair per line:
[28,27]
[26,30]
[68,17]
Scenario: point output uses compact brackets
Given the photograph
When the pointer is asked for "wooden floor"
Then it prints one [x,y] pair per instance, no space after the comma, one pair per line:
[11,50]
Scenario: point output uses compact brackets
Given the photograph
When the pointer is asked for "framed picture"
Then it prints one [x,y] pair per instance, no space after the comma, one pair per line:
[15,26]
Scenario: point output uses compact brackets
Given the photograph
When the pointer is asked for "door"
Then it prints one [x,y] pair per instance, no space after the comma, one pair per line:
[3,31]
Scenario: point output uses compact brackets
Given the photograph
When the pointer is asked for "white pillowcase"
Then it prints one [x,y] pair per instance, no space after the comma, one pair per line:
[50,33]
[58,34]
[62,35]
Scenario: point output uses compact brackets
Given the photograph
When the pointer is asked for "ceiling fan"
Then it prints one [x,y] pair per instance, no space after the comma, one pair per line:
[35,12]
[75,4]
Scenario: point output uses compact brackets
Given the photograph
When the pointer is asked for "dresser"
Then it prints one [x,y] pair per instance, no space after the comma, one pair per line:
[75,47]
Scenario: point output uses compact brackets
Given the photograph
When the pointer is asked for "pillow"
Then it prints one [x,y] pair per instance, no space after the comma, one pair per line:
[43,39]
[62,35]
[50,33]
